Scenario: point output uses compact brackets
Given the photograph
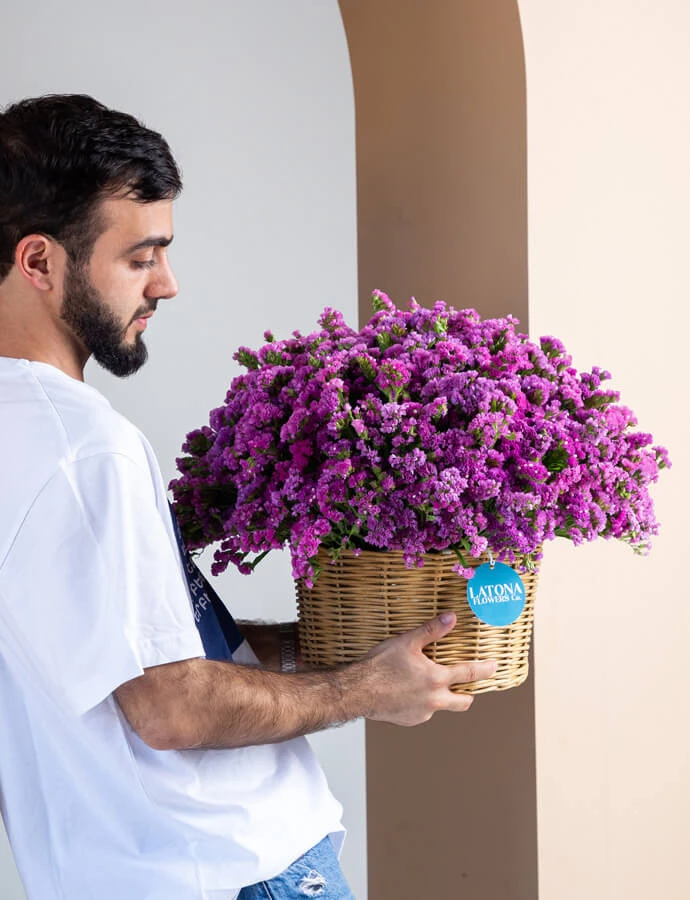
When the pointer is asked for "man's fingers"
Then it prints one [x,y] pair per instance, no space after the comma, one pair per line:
[459,702]
[461,673]
[433,630]
[475,670]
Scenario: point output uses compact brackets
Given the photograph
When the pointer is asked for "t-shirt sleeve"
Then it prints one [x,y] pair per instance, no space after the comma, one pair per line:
[92,587]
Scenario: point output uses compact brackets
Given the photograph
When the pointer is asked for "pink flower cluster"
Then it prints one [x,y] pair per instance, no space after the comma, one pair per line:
[427,430]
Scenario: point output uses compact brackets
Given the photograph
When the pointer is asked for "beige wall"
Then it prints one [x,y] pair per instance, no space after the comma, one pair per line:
[440,106]
[441,190]
[608,87]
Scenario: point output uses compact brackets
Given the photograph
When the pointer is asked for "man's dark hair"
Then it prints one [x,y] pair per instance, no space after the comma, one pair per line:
[60,155]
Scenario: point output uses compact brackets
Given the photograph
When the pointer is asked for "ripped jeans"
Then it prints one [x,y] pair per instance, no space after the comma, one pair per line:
[316,874]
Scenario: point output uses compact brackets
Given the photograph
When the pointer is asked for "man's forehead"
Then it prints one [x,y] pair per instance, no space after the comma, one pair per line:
[131,222]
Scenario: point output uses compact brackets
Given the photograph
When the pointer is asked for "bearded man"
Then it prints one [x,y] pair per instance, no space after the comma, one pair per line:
[145,752]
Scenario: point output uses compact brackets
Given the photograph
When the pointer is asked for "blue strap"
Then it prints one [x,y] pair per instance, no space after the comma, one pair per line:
[219,633]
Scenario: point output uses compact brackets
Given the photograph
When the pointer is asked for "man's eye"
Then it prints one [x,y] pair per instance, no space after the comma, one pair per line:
[143,263]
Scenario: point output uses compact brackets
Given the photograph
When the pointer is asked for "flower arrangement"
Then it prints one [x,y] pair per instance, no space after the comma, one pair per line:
[426,430]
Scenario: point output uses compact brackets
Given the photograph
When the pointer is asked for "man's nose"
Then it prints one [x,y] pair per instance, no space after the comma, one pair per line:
[164,286]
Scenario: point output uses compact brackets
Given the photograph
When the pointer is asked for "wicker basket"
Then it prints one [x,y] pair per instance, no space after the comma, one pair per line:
[359,601]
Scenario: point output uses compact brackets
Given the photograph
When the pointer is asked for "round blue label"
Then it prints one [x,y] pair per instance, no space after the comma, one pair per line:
[496,594]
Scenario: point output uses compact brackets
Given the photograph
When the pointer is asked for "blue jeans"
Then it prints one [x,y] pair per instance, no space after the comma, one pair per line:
[316,874]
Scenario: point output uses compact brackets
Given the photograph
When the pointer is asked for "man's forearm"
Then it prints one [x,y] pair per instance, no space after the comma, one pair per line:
[202,703]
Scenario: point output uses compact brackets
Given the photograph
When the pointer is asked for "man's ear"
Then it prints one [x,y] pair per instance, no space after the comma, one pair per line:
[40,260]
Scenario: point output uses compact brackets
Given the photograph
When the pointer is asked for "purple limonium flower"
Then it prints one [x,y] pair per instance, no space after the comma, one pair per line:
[426,430]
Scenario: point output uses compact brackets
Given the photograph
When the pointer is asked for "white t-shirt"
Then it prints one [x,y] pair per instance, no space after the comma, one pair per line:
[91,593]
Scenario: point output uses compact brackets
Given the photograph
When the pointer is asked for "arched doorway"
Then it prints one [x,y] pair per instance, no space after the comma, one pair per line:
[442,214]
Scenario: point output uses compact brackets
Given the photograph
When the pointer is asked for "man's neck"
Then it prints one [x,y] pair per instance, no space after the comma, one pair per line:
[29,331]
[17,342]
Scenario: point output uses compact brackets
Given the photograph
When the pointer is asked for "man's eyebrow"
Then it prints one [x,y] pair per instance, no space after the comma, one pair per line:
[155,241]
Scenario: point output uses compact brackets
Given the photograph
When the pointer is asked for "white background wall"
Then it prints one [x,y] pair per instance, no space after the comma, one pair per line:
[255,98]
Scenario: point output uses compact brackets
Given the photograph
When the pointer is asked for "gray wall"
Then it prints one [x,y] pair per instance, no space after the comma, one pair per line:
[255,97]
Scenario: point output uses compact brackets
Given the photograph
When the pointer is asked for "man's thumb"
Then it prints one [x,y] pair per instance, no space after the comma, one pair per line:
[434,629]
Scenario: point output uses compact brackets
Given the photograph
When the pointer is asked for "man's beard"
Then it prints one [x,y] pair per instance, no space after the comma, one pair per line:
[85,311]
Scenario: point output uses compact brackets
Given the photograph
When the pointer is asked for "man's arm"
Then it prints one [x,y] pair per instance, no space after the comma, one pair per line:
[201,703]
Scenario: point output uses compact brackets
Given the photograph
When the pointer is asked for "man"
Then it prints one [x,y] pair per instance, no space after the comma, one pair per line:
[134,764]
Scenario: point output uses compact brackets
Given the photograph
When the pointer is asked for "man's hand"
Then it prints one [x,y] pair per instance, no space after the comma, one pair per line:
[202,703]
[408,688]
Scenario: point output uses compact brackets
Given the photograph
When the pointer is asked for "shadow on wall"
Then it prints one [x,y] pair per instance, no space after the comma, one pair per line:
[441,152]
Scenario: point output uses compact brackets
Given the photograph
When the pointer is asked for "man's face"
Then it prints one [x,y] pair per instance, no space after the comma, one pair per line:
[107,302]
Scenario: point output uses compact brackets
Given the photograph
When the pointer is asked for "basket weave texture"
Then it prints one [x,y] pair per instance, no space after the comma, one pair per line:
[359,601]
